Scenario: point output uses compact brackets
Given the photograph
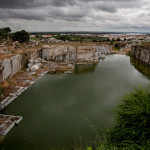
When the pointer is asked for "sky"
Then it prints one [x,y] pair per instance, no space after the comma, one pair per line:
[76,15]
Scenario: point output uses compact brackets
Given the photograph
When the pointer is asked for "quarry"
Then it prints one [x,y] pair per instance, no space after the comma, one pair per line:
[21,65]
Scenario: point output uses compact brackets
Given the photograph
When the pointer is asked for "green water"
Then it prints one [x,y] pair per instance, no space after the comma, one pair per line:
[63,111]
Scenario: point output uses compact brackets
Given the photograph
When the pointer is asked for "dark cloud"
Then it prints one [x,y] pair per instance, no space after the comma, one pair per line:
[16,3]
[79,11]
[65,9]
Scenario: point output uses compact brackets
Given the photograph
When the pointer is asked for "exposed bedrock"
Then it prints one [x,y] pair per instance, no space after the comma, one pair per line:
[59,53]
[80,54]
[12,63]
[10,66]
[141,52]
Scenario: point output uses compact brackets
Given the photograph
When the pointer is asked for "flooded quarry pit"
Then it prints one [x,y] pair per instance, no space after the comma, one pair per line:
[62,111]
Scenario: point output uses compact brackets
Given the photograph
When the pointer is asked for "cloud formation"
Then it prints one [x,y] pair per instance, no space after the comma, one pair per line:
[76,15]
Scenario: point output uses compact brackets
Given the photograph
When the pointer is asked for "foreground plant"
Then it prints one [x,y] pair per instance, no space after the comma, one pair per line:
[132,130]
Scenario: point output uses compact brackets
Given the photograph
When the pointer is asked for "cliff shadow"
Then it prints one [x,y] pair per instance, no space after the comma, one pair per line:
[140,66]
[84,68]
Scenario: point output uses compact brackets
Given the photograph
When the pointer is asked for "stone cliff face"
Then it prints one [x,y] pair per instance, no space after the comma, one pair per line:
[11,66]
[141,52]
[59,53]
[76,55]
[80,54]
[13,63]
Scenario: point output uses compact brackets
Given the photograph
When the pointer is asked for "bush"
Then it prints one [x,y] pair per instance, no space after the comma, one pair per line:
[4,32]
[7,30]
[132,130]
[21,36]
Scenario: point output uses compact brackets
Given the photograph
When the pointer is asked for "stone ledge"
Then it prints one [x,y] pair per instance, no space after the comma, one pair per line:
[7,122]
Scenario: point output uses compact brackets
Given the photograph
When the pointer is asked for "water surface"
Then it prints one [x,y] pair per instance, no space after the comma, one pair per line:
[60,111]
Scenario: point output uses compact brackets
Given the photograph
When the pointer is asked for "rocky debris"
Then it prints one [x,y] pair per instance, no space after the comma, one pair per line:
[32,44]
[7,123]
[91,54]
[16,45]
[87,54]
[54,40]
[34,65]
[141,52]
[12,63]
[4,51]
[3,44]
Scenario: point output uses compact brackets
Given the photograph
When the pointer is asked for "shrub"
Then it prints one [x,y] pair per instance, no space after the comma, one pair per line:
[21,36]
[7,29]
[132,121]
[4,32]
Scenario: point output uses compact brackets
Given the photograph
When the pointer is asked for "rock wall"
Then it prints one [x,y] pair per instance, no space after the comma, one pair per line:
[76,55]
[11,65]
[80,54]
[141,52]
[59,53]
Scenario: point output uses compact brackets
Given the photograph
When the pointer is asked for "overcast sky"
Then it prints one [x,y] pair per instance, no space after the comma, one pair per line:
[75,15]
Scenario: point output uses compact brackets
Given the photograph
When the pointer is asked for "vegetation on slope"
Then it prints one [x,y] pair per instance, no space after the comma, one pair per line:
[79,38]
[131,131]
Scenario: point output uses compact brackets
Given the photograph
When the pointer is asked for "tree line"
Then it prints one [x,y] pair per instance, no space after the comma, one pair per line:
[20,36]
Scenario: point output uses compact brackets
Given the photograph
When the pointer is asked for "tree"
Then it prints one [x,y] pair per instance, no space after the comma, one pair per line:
[21,36]
[4,32]
[7,30]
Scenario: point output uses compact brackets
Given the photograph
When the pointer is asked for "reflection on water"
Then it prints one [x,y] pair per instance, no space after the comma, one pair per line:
[140,66]
[60,109]
[84,68]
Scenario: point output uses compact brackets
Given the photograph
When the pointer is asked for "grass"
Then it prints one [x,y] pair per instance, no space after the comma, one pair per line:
[115,49]
[35,75]
[132,129]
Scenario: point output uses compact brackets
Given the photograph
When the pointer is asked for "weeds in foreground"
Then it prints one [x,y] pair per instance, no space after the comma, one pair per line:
[131,131]
[133,120]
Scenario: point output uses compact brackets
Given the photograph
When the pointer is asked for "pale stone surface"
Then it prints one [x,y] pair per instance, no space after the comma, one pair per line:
[6,69]
[59,53]
[142,53]
[86,54]
[16,64]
